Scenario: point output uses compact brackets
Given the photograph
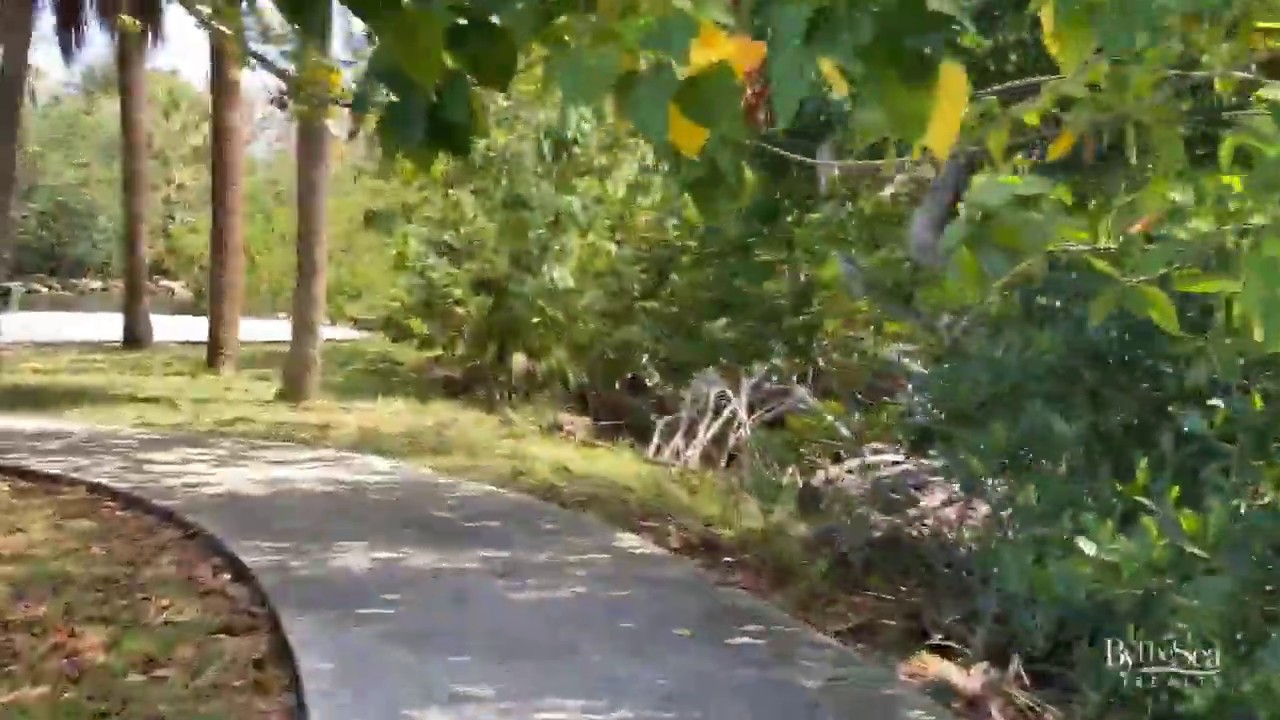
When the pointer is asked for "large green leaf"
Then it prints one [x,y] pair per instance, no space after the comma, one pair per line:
[485,49]
[1102,305]
[712,98]
[1194,281]
[455,118]
[644,97]
[670,35]
[790,63]
[308,15]
[585,75]
[1153,303]
[402,126]
[416,38]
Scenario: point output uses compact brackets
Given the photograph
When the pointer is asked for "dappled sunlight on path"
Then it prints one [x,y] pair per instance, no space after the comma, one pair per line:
[408,595]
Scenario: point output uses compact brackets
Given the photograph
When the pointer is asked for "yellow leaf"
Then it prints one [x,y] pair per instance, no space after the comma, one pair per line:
[630,61]
[687,136]
[1048,28]
[714,45]
[833,76]
[950,100]
[1060,146]
[1069,43]
[748,55]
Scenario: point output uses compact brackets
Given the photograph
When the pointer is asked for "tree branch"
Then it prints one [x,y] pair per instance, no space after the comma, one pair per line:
[872,168]
[206,21]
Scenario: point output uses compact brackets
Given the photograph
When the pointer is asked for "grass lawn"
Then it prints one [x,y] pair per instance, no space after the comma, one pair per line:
[107,612]
[377,402]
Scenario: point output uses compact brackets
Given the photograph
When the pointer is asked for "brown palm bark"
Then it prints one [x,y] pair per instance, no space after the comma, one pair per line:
[17,23]
[226,240]
[301,381]
[131,49]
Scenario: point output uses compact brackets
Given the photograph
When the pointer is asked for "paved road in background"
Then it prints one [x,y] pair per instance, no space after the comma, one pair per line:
[50,328]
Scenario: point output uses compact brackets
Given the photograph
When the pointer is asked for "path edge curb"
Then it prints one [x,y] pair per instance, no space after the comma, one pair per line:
[240,570]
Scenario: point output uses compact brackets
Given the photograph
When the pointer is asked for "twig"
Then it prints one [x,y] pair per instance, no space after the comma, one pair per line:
[273,68]
[211,26]
[871,168]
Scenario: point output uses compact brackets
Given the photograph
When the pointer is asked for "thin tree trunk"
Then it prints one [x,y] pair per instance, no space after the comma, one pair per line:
[131,49]
[302,366]
[226,241]
[17,23]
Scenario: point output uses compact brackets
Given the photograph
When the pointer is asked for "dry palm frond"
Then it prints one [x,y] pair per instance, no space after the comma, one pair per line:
[71,20]
[148,13]
[71,23]
[980,692]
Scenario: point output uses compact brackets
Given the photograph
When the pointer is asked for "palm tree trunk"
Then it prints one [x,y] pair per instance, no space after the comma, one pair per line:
[131,51]
[17,23]
[302,365]
[226,241]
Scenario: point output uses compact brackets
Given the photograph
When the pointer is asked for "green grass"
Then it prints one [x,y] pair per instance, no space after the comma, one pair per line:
[377,400]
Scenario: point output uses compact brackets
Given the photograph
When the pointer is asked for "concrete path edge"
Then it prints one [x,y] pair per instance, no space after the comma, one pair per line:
[211,543]
[433,509]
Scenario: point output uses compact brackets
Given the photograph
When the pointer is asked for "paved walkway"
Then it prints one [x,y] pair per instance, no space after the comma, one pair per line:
[106,327]
[408,596]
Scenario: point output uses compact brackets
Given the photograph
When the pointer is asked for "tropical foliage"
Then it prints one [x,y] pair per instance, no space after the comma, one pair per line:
[1059,211]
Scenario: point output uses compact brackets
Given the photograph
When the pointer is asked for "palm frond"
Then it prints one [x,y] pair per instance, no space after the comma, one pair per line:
[72,17]
[71,24]
[149,13]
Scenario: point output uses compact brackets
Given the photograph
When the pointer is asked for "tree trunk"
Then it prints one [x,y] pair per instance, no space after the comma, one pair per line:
[302,366]
[131,50]
[226,241]
[17,23]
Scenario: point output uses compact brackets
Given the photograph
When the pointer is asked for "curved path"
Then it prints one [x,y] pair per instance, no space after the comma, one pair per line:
[409,596]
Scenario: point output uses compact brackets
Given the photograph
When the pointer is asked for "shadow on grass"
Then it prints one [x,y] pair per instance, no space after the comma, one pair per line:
[355,371]
[28,397]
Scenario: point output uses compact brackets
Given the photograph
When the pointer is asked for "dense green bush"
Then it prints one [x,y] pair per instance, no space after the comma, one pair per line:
[1131,473]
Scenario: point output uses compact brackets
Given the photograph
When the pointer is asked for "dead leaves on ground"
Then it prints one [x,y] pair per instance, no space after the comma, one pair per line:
[108,612]
[979,691]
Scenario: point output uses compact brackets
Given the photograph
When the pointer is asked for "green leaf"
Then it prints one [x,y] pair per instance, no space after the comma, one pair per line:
[1103,267]
[789,62]
[644,97]
[1152,302]
[455,118]
[991,191]
[967,274]
[711,99]
[402,125]
[486,50]
[1101,307]
[586,74]
[905,106]
[1194,281]
[416,39]
[1067,31]
[1032,185]
[671,35]
[1260,297]
[310,16]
